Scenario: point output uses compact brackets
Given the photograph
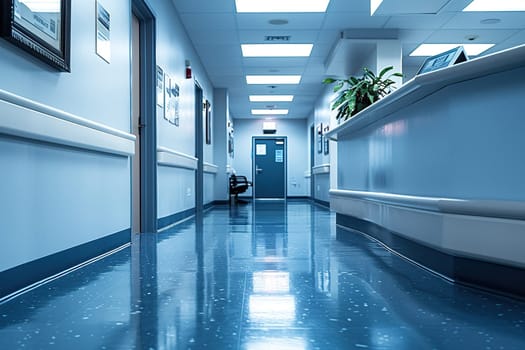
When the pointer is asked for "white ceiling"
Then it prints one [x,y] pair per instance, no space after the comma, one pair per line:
[217,33]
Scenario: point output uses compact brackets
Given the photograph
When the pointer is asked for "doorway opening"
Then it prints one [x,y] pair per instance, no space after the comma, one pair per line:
[199,150]
[269,164]
[143,120]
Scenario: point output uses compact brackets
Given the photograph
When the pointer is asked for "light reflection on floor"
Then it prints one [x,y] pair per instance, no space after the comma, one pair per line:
[269,276]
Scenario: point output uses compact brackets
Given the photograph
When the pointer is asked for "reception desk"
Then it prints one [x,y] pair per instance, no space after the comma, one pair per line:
[436,171]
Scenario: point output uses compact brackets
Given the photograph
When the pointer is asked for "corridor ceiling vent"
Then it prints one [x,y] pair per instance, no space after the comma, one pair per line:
[281,5]
[495,6]
[407,7]
[273,79]
[276,50]
[434,49]
[269,111]
[271,98]
[277,38]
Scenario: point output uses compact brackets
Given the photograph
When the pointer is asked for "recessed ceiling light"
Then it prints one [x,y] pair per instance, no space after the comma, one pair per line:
[269,111]
[276,50]
[434,49]
[374,5]
[271,98]
[273,79]
[493,5]
[42,6]
[281,5]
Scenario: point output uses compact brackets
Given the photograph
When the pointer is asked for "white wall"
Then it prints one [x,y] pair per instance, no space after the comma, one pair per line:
[55,197]
[323,114]
[443,146]
[298,150]
[173,49]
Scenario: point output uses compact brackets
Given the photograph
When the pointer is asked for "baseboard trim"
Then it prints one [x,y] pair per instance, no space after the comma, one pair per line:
[170,220]
[322,203]
[494,277]
[22,276]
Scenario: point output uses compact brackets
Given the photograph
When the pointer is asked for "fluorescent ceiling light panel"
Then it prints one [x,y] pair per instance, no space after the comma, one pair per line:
[271,98]
[273,79]
[269,111]
[496,5]
[276,50]
[42,6]
[434,49]
[374,5]
[281,5]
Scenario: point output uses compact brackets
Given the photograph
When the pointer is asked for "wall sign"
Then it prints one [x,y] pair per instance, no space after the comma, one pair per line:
[103,33]
[160,87]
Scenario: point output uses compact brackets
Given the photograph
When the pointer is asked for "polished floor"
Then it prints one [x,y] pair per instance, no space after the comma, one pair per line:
[269,276]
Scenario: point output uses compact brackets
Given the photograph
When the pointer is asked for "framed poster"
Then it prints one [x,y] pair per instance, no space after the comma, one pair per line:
[207,114]
[160,86]
[41,28]
[326,140]
[320,138]
[103,44]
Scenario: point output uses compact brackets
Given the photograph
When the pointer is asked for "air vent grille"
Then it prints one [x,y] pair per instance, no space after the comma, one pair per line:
[277,38]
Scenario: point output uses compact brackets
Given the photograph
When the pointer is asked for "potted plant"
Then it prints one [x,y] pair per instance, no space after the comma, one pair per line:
[357,93]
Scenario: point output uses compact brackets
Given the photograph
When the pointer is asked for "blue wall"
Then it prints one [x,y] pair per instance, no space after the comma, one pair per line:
[426,149]
[176,186]
[54,197]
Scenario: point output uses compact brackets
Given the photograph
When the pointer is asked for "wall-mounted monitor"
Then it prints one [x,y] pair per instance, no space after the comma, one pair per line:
[443,60]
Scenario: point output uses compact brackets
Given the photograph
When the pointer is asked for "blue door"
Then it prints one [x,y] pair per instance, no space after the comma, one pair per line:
[269,168]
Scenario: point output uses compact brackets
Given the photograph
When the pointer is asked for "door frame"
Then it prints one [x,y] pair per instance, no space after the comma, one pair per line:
[199,149]
[285,179]
[147,119]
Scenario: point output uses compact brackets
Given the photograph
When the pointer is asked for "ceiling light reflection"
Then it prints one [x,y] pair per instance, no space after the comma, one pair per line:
[278,343]
[271,282]
[272,309]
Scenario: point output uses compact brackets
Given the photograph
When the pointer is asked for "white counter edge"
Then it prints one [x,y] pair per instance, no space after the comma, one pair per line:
[428,83]
[487,208]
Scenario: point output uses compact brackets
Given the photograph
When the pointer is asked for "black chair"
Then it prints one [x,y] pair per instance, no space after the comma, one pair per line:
[238,184]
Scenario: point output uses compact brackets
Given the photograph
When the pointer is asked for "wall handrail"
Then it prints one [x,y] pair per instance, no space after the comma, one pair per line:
[321,169]
[175,159]
[58,113]
[473,207]
[27,119]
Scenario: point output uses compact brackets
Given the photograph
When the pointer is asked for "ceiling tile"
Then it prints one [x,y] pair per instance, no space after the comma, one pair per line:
[464,20]
[419,21]
[202,6]
[208,22]
[310,21]
[348,20]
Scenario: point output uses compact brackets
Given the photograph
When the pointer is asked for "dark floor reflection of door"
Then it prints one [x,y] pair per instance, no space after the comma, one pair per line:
[269,168]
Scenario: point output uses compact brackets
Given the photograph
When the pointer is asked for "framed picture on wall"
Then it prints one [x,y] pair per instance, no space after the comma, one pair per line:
[319,133]
[207,116]
[326,140]
[41,28]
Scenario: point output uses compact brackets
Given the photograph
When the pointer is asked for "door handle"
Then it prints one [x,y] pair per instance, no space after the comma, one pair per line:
[258,170]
